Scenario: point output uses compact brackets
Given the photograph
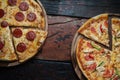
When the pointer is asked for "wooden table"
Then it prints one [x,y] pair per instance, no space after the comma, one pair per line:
[53,61]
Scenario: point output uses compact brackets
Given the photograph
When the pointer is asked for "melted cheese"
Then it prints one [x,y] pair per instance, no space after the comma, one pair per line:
[90,62]
[93,37]
[33,7]
[32,46]
[87,50]
[8,49]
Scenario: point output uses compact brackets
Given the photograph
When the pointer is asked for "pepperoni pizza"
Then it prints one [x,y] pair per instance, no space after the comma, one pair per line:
[96,61]
[22,29]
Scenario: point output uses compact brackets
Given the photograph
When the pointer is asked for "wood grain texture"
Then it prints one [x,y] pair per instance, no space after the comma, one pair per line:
[81,8]
[39,70]
[58,43]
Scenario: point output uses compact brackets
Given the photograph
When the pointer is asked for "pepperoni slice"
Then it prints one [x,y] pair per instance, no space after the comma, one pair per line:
[4,24]
[21,47]
[23,6]
[31,17]
[17,33]
[19,16]
[1,13]
[1,45]
[12,2]
[31,35]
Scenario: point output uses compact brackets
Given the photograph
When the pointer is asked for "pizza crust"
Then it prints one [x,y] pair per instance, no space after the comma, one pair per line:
[98,58]
[91,20]
[111,58]
[38,25]
[78,57]
[33,7]
[97,23]
[32,46]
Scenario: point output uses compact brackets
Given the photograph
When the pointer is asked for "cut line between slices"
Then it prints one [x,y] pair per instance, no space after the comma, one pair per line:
[112,25]
[110,16]
[27,28]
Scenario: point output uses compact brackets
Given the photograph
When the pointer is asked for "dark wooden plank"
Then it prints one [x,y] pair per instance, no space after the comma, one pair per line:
[81,8]
[39,70]
[58,43]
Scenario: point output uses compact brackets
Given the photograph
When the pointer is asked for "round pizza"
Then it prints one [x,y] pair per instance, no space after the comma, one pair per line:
[98,48]
[22,29]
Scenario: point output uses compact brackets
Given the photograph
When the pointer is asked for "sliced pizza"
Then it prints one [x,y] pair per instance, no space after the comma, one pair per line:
[27,41]
[116,34]
[94,61]
[96,29]
[7,52]
[26,13]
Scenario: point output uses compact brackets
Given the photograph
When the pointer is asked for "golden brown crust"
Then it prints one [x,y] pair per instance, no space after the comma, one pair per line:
[38,25]
[98,23]
[98,58]
[32,46]
[80,64]
[110,59]
[34,7]
[116,21]
[91,20]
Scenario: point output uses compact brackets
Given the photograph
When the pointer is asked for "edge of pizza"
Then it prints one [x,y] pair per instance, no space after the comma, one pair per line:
[96,29]
[27,42]
[94,61]
[24,13]
[7,52]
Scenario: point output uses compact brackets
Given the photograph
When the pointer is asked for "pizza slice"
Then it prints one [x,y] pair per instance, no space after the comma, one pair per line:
[94,61]
[25,13]
[7,52]
[116,34]
[96,29]
[27,41]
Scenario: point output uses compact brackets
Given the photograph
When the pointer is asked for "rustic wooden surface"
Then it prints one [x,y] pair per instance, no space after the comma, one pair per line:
[39,70]
[53,62]
[58,43]
[81,8]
